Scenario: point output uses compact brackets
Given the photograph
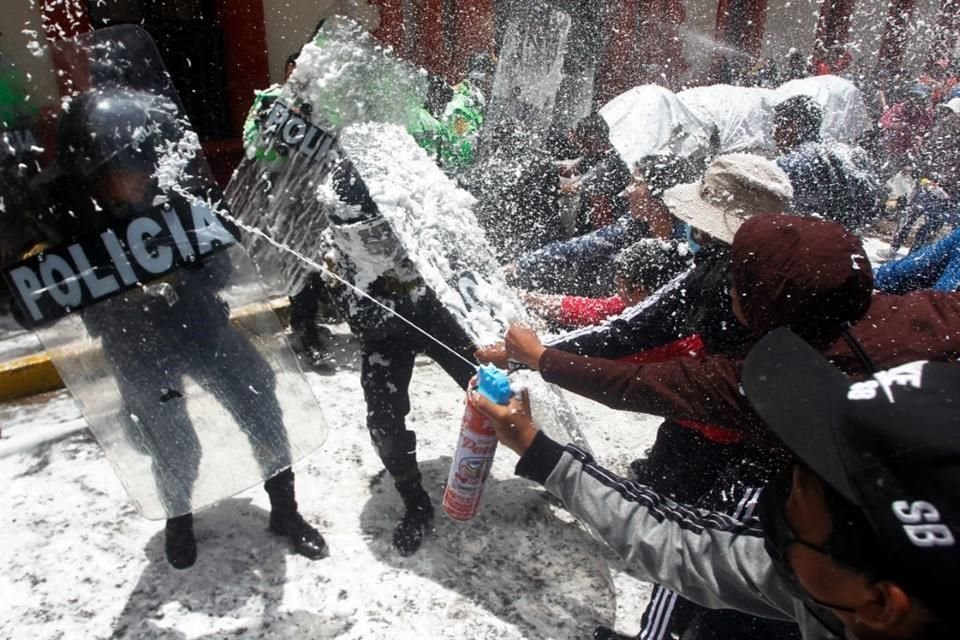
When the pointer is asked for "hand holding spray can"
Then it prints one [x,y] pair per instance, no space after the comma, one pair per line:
[475,448]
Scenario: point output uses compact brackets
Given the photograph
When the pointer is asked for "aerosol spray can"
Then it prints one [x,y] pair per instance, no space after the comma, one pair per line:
[475,448]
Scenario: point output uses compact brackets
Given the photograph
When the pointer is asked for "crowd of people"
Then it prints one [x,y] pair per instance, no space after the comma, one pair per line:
[668,278]
[803,482]
[733,297]
[558,210]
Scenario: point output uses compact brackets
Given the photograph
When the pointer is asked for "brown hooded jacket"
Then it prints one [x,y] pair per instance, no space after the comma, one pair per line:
[803,273]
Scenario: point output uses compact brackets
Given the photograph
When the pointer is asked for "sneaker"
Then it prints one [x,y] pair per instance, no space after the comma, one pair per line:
[606,633]
[312,347]
[318,359]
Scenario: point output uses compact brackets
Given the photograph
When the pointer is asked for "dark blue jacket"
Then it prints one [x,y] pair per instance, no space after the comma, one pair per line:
[697,302]
[834,181]
[582,265]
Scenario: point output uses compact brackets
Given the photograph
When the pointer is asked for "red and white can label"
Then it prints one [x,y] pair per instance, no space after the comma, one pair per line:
[471,465]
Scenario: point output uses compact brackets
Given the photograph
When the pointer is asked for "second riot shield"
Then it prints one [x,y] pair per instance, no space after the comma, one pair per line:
[290,142]
[530,70]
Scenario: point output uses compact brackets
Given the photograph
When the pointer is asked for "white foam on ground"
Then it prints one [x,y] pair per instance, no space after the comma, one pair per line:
[77,562]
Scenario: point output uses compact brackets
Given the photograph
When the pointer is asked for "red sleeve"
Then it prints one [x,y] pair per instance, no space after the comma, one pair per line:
[583,312]
[689,347]
[705,390]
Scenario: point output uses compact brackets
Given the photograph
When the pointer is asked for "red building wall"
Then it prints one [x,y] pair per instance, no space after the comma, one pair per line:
[643,42]
[894,41]
[833,30]
[446,33]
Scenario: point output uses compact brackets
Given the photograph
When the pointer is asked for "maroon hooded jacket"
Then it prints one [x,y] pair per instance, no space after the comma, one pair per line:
[803,273]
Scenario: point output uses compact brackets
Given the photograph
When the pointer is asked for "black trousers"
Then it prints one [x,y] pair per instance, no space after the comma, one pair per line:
[386,370]
[690,469]
[305,305]
[151,383]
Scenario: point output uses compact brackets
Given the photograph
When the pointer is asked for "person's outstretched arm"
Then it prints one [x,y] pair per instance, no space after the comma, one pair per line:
[701,389]
[710,558]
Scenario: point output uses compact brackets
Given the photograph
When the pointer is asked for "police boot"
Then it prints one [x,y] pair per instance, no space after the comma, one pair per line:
[285,520]
[315,349]
[180,545]
[418,519]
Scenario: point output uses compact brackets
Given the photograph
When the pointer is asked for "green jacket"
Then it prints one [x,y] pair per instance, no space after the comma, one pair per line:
[463,117]
[430,134]
[14,102]
[262,102]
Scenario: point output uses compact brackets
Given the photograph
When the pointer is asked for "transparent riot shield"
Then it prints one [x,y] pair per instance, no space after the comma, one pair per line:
[584,44]
[432,224]
[346,104]
[530,70]
[150,309]
[19,162]
[342,77]
[574,97]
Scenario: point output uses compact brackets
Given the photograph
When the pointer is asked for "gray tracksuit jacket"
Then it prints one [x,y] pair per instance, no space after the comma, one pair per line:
[709,558]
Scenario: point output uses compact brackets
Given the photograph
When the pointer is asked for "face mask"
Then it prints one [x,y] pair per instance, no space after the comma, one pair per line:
[770,510]
[694,246]
[779,537]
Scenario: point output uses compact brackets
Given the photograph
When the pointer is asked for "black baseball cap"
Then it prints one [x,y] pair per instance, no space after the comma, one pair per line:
[889,444]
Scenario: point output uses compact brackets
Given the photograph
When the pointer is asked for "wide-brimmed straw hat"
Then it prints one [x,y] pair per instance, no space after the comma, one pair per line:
[734,187]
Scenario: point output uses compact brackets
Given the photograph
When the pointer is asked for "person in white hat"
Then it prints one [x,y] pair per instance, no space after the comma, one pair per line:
[734,187]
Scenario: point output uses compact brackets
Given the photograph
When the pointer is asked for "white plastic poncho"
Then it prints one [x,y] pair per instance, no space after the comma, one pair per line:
[743,116]
[649,120]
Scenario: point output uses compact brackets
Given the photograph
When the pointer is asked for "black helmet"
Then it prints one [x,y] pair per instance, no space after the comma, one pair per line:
[593,127]
[119,128]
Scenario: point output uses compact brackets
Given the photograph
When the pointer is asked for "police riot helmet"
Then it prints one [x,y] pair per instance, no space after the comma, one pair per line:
[592,130]
[119,128]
